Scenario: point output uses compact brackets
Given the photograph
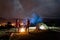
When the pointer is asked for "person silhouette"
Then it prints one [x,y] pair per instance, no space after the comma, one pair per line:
[8,26]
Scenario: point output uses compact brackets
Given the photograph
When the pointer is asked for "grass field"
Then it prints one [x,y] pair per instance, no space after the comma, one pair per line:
[41,35]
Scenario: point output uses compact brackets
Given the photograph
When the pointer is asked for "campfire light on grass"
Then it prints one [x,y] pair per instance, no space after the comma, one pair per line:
[22,30]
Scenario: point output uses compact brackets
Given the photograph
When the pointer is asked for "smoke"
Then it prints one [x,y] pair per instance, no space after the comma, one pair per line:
[18,9]
[35,19]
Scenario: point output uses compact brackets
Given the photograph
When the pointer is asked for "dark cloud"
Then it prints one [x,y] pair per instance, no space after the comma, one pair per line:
[48,8]
[24,8]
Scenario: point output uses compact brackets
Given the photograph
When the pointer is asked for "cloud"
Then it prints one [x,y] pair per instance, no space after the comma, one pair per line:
[23,8]
[48,8]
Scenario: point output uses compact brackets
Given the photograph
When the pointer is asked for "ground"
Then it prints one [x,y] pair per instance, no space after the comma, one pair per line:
[43,35]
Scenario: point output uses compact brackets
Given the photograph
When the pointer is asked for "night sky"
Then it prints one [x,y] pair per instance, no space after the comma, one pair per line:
[25,8]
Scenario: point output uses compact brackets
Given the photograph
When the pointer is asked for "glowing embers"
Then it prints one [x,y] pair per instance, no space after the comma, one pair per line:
[22,23]
[22,29]
[0,24]
[13,24]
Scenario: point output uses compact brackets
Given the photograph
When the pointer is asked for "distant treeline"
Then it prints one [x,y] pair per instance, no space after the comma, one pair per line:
[52,22]
[8,26]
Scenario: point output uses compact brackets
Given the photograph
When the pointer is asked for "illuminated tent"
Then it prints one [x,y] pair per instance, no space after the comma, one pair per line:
[43,26]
